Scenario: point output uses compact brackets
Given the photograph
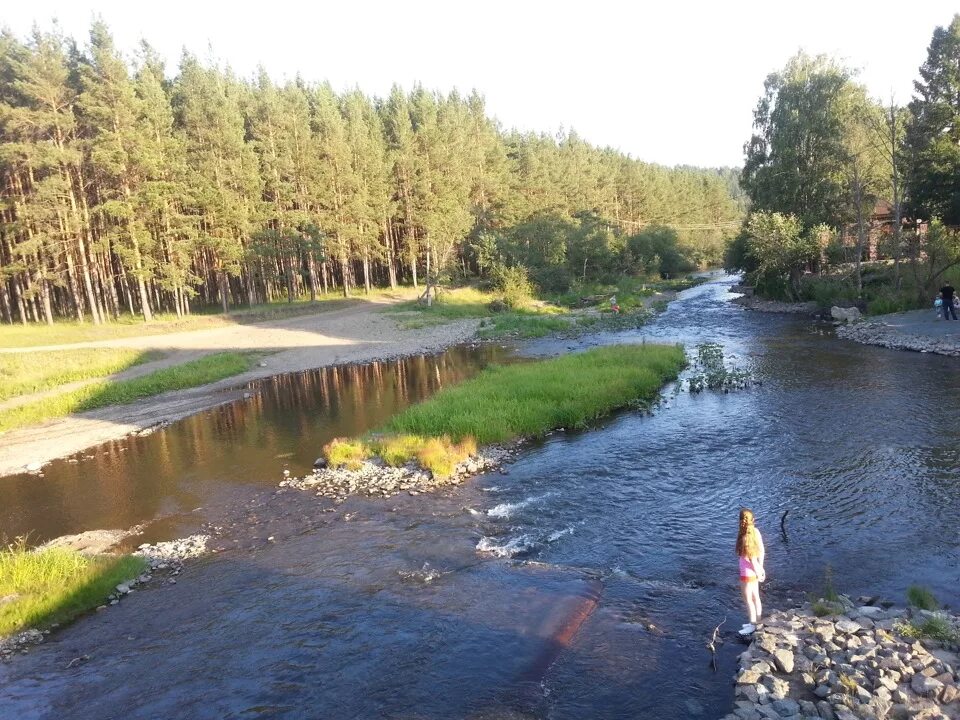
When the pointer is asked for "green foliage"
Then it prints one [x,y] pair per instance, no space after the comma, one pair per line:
[530,399]
[711,371]
[343,452]
[796,160]
[513,283]
[781,250]
[921,598]
[933,130]
[100,394]
[54,586]
[656,250]
[934,628]
[25,373]
[522,325]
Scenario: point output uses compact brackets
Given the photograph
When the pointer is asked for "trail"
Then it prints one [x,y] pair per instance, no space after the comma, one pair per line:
[361,333]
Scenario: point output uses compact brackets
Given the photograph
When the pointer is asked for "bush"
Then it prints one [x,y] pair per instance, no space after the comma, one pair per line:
[922,598]
[514,283]
[439,455]
[342,452]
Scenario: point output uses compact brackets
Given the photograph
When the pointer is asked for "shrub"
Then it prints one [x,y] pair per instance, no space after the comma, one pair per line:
[397,450]
[514,283]
[342,452]
[922,598]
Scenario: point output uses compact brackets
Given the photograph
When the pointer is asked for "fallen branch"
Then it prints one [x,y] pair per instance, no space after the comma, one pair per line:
[714,641]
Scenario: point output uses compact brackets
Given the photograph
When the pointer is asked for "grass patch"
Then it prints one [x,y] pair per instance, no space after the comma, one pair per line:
[343,452]
[523,326]
[54,586]
[920,597]
[25,373]
[528,400]
[933,628]
[197,372]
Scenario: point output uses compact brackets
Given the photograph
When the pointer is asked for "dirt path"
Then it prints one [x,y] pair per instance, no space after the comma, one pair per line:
[355,334]
[917,330]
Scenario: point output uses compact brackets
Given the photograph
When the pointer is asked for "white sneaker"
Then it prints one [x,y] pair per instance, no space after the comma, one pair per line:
[748,629]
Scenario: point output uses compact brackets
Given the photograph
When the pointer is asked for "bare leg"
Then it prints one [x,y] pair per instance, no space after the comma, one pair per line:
[747,588]
[758,607]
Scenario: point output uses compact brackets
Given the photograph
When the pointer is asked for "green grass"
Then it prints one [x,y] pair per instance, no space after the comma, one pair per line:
[530,399]
[54,586]
[934,628]
[64,331]
[920,597]
[342,452]
[25,373]
[100,394]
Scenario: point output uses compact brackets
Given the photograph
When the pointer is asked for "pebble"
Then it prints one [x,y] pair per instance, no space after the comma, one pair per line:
[883,335]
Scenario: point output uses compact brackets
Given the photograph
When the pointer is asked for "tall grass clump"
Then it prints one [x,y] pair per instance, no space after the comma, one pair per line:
[343,452]
[54,586]
[528,400]
[921,598]
[101,394]
[439,455]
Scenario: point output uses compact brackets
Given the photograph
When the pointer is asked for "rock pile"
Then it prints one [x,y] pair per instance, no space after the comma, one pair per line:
[375,478]
[879,333]
[171,554]
[776,306]
[858,666]
[20,642]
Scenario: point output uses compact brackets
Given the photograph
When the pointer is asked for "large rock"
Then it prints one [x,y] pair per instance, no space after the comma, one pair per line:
[925,686]
[844,314]
[784,660]
[845,625]
[786,708]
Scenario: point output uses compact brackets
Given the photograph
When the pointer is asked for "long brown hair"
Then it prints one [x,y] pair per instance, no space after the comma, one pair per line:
[747,545]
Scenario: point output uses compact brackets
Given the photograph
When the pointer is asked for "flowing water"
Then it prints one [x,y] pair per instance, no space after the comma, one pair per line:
[582,582]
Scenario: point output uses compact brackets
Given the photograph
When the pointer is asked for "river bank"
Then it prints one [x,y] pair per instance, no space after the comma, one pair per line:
[917,330]
[864,664]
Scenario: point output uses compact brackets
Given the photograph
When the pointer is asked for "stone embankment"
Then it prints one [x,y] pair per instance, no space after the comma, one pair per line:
[890,336]
[861,665]
[748,300]
[376,479]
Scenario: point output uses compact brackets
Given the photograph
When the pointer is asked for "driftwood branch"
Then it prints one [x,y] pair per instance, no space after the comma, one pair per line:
[783,525]
[714,641]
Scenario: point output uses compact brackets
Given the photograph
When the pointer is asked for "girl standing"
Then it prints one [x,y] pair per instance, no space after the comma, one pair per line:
[751,553]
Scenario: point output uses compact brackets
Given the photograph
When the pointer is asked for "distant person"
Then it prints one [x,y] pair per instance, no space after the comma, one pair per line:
[947,294]
[751,553]
[938,306]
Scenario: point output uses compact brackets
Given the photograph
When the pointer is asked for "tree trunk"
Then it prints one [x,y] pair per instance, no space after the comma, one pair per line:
[223,291]
[312,267]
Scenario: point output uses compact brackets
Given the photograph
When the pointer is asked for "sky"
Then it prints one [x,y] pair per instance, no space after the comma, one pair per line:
[673,82]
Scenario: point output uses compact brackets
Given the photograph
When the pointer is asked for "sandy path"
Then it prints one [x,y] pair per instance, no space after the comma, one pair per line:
[355,334]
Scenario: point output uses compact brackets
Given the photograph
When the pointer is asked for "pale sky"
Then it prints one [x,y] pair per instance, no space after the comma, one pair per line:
[674,82]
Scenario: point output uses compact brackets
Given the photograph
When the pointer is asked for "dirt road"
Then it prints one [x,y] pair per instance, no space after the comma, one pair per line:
[360,333]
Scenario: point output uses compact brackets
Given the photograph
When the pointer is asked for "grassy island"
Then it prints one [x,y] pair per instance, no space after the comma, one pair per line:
[41,588]
[504,403]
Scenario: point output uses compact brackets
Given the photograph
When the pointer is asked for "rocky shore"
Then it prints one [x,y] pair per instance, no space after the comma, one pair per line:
[890,336]
[376,479]
[865,663]
[775,306]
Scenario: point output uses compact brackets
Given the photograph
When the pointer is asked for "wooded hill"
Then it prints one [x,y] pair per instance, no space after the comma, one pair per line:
[126,191]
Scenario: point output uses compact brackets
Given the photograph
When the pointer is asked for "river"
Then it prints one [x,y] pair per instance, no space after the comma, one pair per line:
[584,581]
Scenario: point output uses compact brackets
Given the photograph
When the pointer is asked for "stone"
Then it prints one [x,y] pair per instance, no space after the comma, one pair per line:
[748,677]
[842,713]
[767,711]
[845,314]
[778,688]
[872,612]
[783,660]
[786,707]
[822,691]
[925,686]
[808,708]
[949,694]
[825,710]
[845,625]
[747,714]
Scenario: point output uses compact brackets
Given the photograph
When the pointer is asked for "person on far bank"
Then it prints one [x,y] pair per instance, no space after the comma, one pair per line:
[947,293]
[751,553]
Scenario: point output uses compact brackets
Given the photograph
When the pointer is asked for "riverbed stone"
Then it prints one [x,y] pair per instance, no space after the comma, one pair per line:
[845,625]
[783,660]
[786,707]
[925,686]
